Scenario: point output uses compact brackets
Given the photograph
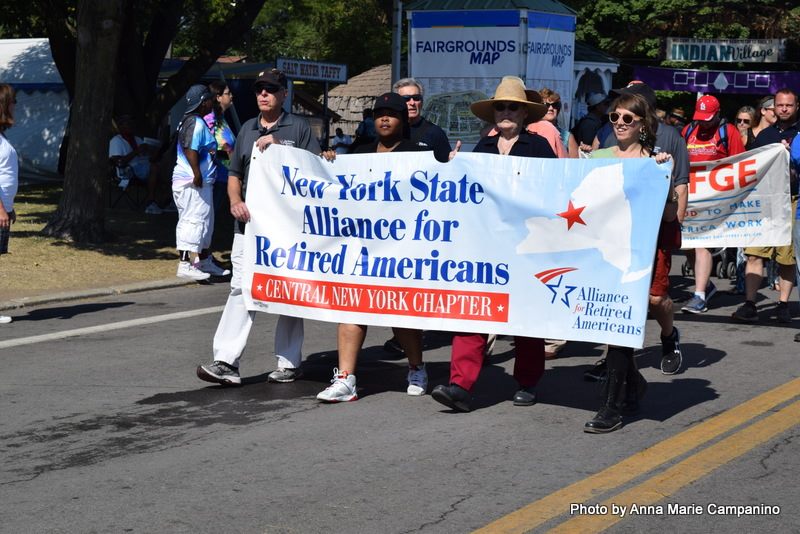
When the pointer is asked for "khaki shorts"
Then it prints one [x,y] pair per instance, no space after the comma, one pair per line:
[783,255]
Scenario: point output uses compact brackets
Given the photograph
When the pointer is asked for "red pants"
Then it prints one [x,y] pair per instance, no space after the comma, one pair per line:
[467,360]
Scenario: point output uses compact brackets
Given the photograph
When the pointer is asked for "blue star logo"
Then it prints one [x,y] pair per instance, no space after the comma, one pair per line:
[566,289]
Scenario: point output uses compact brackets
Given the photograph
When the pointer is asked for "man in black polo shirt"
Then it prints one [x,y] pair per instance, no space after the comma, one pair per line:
[271,126]
[423,132]
[783,131]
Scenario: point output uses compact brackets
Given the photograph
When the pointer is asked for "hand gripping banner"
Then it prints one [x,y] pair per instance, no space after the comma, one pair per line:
[484,243]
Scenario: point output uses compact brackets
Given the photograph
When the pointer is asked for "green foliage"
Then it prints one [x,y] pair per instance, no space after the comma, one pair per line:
[638,28]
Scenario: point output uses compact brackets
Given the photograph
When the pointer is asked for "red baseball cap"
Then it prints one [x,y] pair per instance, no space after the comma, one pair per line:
[706,108]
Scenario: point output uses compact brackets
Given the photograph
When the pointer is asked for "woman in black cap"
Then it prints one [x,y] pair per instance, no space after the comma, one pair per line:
[391,124]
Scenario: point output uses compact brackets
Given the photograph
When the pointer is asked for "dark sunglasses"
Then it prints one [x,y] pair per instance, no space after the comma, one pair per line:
[555,105]
[743,121]
[271,89]
[501,106]
[626,118]
[415,98]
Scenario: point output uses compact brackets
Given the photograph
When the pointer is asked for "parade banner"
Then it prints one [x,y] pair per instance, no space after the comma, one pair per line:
[553,248]
[741,201]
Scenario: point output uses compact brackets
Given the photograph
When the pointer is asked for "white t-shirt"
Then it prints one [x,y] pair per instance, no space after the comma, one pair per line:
[9,174]
[118,146]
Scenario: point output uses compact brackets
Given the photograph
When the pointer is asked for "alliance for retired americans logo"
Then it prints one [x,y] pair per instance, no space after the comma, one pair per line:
[595,309]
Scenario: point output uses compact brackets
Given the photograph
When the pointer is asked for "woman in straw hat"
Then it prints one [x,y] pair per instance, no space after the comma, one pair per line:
[509,110]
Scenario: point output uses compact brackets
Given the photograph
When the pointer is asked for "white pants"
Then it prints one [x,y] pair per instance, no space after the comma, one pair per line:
[195,217]
[234,325]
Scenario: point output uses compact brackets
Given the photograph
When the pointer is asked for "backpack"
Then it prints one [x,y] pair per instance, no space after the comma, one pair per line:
[722,131]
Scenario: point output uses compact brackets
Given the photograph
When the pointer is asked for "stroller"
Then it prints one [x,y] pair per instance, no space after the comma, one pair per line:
[724,265]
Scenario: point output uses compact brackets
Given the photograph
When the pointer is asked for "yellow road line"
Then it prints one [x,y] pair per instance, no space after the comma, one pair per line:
[557,503]
[662,485]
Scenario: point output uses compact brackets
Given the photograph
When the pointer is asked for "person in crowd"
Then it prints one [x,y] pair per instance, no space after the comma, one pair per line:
[745,121]
[708,138]
[226,140]
[783,131]
[509,110]
[9,172]
[552,100]
[677,118]
[423,132]
[661,114]
[586,129]
[365,131]
[193,186]
[795,158]
[393,130]
[766,114]
[132,158]
[341,142]
[667,140]
[271,126]
[635,127]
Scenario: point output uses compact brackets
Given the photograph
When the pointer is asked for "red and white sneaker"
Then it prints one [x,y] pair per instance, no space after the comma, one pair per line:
[342,388]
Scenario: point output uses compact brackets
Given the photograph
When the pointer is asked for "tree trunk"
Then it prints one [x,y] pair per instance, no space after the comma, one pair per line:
[80,213]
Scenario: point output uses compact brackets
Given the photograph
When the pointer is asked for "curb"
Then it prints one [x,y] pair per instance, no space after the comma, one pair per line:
[135,287]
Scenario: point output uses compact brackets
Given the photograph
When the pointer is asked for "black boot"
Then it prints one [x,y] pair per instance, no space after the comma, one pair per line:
[635,388]
[608,418]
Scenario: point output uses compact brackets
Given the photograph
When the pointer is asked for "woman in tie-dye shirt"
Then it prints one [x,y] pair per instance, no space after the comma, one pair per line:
[223,99]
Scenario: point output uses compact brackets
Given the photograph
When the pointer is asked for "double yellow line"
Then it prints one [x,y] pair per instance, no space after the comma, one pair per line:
[670,480]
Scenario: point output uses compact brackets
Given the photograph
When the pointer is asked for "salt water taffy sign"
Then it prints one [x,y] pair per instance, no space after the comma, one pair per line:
[740,201]
[484,243]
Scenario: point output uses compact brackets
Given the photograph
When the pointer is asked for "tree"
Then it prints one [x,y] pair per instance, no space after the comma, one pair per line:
[637,28]
[145,30]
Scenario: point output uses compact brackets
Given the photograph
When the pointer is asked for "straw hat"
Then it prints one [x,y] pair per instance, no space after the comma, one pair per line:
[511,89]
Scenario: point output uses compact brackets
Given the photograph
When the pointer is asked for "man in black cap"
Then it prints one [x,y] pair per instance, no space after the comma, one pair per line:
[271,126]
[668,140]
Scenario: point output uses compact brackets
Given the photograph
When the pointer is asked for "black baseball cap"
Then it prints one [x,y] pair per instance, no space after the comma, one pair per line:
[391,101]
[270,79]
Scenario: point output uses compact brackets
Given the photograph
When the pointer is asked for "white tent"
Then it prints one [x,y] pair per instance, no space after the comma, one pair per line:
[42,104]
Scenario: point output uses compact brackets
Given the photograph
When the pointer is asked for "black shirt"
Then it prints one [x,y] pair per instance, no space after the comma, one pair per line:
[773,134]
[430,137]
[528,145]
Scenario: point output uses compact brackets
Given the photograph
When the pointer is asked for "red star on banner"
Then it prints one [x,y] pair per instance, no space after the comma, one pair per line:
[572,215]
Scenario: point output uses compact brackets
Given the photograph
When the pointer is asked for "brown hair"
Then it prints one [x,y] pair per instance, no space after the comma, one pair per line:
[549,94]
[7,97]
[637,104]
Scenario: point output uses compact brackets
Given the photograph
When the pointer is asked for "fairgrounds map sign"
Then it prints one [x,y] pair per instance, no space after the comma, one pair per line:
[484,243]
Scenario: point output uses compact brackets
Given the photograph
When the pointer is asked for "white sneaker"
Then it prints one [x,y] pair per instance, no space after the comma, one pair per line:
[208,266]
[342,388]
[417,380]
[5,319]
[187,270]
[153,209]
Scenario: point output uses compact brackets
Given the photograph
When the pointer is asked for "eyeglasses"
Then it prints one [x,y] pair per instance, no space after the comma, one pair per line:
[555,105]
[627,118]
[226,93]
[769,109]
[501,106]
[743,121]
[415,98]
[271,89]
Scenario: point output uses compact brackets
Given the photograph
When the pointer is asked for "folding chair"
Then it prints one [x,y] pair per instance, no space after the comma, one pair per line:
[124,185]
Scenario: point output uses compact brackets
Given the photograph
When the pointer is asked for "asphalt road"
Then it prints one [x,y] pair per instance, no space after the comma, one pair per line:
[107,429]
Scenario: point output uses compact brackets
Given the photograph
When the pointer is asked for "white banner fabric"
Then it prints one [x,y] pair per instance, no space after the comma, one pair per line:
[740,201]
[553,248]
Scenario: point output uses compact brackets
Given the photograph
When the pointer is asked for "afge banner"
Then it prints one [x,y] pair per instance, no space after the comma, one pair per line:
[484,243]
[741,201]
